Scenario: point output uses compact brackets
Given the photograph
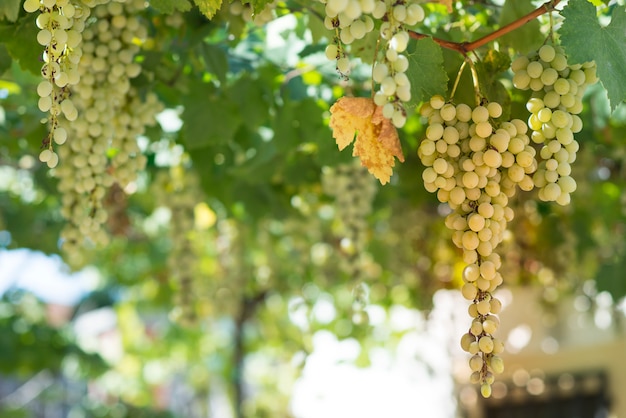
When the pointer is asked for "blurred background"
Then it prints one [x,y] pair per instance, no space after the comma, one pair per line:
[253,270]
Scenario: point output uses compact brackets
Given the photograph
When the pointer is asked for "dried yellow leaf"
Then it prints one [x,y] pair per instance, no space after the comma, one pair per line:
[377,141]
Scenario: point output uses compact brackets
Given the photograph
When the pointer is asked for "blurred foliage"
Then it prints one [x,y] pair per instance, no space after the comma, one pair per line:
[266,241]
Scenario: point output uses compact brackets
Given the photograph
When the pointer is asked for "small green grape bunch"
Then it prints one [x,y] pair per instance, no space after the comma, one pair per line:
[558,88]
[353,190]
[179,191]
[350,20]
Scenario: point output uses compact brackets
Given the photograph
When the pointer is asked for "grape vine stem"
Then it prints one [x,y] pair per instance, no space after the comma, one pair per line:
[465,47]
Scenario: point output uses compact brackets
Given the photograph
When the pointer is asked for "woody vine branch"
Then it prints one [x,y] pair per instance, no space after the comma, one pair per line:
[465,47]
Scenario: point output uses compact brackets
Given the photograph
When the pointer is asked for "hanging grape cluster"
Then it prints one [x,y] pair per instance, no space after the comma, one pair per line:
[475,165]
[179,191]
[102,144]
[556,101]
[354,19]
[60,24]
[354,191]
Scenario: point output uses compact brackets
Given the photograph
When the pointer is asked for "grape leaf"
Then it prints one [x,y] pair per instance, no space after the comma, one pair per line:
[610,279]
[209,118]
[489,74]
[365,47]
[248,94]
[377,141]
[5,59]
[426,71]
[10,9]
[215,60]
[528,37]
[257,5]
[208,7]
[21,42]
[170,6]
[317,28]
[585,40]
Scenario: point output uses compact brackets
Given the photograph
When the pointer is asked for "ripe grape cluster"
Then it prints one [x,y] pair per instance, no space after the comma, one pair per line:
[475,166]
[111,115]
[558,88]
[60,24]
[354,19]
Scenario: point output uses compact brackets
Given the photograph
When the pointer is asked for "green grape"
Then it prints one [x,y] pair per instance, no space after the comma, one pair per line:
[547,53]
[556,101]
[471,164]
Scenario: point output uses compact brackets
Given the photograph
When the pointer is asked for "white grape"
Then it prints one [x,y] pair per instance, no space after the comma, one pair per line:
[472,165]
[557,99]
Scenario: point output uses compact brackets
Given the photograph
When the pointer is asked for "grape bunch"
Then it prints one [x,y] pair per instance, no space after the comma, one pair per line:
[475,166]
[558,88]
[394,87]
[354,190]
[60,24]
[103,148]
[354,19]
[351,20]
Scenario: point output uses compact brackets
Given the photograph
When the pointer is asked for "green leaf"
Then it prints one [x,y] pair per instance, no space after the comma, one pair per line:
[247,93]
[209,118]
[489,71]
[10,9]
[21,43]
[526,38]
[215,60]
[426,71]
[365,47]
[496,62]
[170,6]
[257,5]
[285,125]
[610,278]
[318,30]
[5,59]
[585,40]
[262,166]
[208,7]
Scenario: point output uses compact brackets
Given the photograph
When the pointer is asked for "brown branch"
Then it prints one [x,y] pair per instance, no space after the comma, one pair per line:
[247,307]
[465,47]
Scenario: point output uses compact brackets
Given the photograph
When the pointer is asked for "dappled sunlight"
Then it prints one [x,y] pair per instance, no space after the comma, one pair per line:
[203,245]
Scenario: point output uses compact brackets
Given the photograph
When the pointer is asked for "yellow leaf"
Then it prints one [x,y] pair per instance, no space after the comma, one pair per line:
[377,141]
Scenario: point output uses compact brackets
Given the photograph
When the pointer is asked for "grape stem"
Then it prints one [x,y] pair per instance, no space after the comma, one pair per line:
[374,64]
[465,47]
[475,81]
[458,78]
